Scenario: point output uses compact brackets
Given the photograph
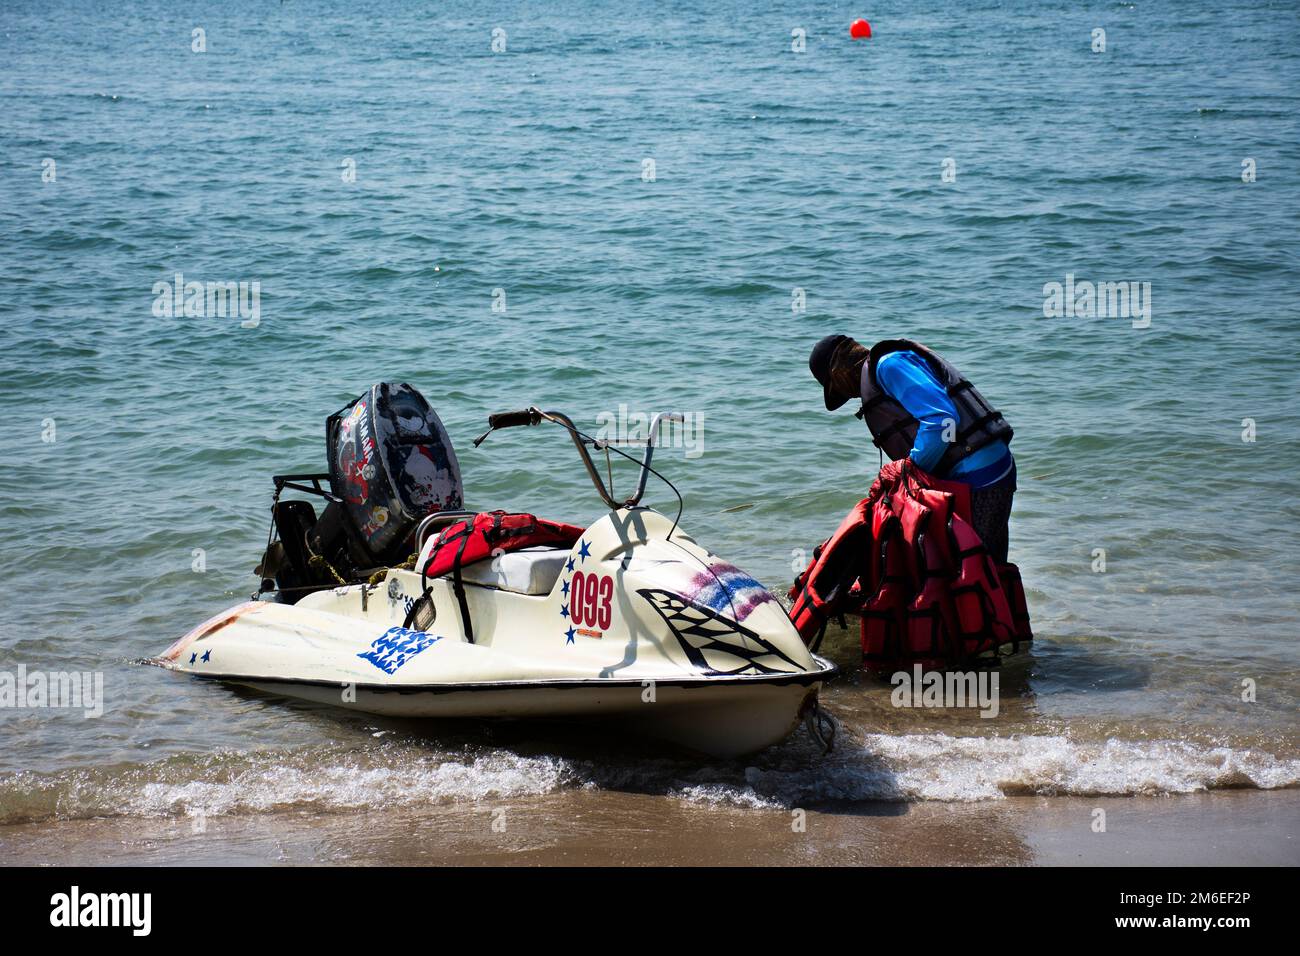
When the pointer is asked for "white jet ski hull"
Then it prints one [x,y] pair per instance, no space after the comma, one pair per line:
[667,641]
[722,720]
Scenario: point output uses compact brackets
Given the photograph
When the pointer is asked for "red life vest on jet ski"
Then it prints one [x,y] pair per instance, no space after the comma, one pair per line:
[908,560]
[492,532]
[487,534]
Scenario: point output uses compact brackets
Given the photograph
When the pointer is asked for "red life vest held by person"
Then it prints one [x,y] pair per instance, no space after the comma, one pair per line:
[487,534]
[828,586]
[908,560]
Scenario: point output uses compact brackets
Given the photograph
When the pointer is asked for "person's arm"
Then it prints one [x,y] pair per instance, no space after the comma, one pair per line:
[908,380]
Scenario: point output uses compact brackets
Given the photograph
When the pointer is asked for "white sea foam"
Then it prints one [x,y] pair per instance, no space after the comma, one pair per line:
[721,794]
[877,768]
[264,783]
[940,767]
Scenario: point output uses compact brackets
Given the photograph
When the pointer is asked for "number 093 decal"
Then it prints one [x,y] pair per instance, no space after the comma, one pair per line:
[590,601]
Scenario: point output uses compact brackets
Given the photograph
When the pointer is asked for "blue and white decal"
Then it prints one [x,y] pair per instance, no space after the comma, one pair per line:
[396,646]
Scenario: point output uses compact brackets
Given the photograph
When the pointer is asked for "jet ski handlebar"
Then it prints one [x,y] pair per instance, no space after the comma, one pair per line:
[533,415]
[529,416]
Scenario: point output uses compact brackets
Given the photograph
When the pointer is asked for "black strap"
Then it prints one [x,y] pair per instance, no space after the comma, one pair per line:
[415,606]
[499,532]
[977,425]
[815,644]
[458,585]
[897,426]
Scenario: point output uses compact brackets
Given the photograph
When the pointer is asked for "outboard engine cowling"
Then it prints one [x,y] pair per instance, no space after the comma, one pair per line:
[392,463]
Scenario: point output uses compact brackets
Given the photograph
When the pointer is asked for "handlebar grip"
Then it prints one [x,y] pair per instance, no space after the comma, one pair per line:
[529,416]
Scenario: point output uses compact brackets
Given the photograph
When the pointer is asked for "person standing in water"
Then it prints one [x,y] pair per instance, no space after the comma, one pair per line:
[918,406]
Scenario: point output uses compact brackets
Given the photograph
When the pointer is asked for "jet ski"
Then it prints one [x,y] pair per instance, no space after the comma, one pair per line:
[628,620]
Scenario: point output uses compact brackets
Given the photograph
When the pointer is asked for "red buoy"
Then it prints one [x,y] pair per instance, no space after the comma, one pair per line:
[860,30]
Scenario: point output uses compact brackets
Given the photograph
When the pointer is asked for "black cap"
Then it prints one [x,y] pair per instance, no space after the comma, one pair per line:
[819,363]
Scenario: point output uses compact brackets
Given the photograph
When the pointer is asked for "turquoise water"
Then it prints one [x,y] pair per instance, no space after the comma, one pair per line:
[774,171]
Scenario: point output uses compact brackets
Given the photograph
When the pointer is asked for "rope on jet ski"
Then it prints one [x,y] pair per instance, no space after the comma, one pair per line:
[317,562]
[822,726]
[270,540]
[380,573]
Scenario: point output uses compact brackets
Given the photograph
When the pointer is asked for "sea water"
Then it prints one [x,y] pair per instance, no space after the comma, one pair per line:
[614,209]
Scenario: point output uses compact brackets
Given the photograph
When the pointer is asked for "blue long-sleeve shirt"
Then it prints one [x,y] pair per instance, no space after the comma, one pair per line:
[908,379]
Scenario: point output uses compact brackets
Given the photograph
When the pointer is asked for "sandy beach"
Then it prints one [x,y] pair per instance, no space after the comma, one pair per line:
[604,829]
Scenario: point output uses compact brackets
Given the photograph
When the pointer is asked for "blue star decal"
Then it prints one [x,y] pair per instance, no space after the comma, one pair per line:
[565,589]
[194,657]
[207,655]
[570,565]
[584,550]
[564,610]
[569,634]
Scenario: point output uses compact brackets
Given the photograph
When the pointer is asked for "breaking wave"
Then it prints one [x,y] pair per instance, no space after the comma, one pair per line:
[919,767]
[940,767]
[232,784]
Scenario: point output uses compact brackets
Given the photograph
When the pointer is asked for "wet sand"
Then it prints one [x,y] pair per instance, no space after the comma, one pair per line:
[628,829]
